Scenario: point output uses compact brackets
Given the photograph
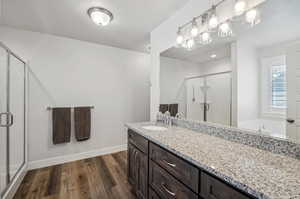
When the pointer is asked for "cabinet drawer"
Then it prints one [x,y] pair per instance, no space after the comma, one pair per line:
[152,194]
[138,141]
[212,188]
[166,186]
[182,170]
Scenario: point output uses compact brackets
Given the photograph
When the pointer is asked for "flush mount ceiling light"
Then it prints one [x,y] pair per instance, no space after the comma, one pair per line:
[213,56]
[100,16]
[190,34]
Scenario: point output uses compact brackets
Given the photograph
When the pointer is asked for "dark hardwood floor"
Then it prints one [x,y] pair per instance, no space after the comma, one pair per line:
[103,177]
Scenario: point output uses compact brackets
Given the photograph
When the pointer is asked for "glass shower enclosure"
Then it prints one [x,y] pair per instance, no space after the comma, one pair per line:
[12,117]
[209,98]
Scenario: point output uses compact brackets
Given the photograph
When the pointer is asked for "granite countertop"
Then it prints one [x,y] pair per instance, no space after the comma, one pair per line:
[260,173]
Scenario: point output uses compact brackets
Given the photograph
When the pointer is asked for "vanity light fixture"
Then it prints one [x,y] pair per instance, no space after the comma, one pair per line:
[252,17]
[213,21]
[206,38]
[225,30]
[194,30]
[100,16]
[190,44]
[211,24]
[179,38]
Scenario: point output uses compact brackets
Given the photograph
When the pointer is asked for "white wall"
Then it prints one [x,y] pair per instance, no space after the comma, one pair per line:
[70,72]
[172,84]
[247,80]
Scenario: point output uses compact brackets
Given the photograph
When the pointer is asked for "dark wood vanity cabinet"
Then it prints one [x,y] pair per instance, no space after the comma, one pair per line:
[156,173]
[138,166]
[212,188]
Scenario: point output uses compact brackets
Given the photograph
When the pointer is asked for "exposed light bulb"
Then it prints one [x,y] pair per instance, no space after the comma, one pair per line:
[225,30]
[179,38]
[252,17]
[240,7]
[206,38]
[213,21]
[195,29]
[190,44]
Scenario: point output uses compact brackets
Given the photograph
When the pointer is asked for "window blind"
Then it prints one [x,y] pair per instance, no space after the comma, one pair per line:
[278,87]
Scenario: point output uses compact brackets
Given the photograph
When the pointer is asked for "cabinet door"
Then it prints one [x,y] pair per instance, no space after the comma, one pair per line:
[138,171]
[142,175]
[212,188]
[131,165]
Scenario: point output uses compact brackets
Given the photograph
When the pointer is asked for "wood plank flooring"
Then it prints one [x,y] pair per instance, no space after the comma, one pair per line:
[103,177]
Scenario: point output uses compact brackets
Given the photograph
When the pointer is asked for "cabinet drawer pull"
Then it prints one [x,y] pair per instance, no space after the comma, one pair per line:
[167,190]
[170,164]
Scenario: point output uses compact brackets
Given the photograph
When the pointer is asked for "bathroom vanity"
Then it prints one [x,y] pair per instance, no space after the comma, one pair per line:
[185,164]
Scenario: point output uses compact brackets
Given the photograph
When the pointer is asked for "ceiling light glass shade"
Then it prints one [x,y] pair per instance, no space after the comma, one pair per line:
[195,29]
[213,21]
[225,30]
[252,17]
[206,38]
[100,16]
[179,38]
[213,56]
[240,7]
[190,44]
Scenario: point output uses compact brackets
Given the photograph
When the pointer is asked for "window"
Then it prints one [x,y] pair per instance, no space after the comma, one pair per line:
[278,87]
[273,87]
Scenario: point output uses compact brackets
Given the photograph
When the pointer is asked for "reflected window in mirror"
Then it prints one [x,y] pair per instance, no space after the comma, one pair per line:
[274,87]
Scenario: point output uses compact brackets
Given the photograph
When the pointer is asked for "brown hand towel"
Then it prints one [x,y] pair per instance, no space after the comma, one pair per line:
[82,117]
[163,108]
[173,109]
[61,125]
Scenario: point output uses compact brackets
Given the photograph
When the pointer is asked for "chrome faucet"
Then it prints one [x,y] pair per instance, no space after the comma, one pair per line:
[179,115]
[167,118]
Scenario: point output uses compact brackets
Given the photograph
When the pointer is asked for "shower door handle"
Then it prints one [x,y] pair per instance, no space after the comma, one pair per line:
[207,106]
[9,119]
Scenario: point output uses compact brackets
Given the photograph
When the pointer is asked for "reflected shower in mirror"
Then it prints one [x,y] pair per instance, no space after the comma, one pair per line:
[199,82]
[250,80]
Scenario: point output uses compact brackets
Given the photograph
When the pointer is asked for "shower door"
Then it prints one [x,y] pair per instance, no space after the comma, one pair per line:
[218,99]
[3,129]
[209,98]
[12,114]
[195,99]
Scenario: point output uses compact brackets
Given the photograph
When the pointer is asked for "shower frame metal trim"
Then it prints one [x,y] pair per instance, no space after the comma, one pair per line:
[10,180]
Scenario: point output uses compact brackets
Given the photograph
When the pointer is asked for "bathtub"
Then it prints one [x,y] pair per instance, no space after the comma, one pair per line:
[271,127]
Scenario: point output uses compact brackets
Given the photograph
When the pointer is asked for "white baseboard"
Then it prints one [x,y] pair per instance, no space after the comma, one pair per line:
[73,157]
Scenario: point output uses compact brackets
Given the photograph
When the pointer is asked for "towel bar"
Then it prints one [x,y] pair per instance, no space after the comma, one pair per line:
[50,108]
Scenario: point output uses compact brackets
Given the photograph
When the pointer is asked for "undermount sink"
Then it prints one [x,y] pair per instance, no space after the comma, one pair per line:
[155,128]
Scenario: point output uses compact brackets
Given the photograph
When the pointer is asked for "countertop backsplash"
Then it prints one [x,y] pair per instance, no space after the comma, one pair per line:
[272,144]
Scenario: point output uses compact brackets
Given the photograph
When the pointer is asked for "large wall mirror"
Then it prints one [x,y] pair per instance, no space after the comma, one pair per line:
[250,80]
